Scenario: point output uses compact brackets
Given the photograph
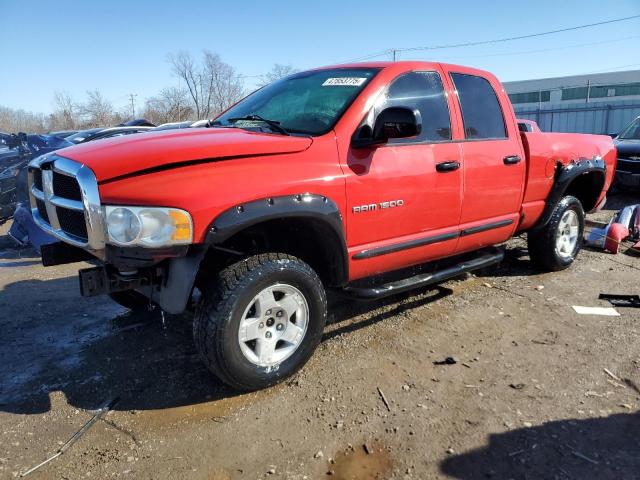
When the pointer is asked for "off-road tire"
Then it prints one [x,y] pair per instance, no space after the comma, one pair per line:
[224,300]
[134,301]
[542,242]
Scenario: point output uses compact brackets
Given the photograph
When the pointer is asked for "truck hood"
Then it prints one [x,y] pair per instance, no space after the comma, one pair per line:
[150,151]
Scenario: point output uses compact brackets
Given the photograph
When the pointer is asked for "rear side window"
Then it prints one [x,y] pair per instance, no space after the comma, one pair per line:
[481,111]
[424,92]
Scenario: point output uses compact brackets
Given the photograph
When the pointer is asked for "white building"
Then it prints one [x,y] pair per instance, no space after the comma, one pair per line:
[596,87]
[595,103]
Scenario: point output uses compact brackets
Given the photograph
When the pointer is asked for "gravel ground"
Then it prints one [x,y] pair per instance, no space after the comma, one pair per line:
[529,396]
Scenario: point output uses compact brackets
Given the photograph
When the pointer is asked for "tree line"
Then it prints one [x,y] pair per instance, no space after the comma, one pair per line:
[206,86]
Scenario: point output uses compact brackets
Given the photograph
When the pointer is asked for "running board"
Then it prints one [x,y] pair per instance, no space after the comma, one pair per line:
[484,258]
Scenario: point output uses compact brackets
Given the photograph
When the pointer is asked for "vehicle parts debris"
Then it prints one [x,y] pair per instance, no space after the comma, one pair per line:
[446,361]
[621,300]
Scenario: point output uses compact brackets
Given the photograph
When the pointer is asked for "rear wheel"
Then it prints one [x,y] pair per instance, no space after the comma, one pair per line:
[556,245]
[260,320]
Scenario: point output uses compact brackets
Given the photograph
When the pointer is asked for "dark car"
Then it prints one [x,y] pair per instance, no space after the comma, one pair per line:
[21,148]
[63,133]
[98,133]
[137,122]
[3,139]
[628,145]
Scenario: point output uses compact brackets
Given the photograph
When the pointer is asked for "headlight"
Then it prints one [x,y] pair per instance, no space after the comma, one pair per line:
[148,226]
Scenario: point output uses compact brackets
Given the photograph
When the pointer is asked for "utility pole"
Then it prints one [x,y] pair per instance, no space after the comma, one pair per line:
[393,52]
[132,96]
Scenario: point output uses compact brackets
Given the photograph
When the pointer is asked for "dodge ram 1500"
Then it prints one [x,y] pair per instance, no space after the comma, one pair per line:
[368,178]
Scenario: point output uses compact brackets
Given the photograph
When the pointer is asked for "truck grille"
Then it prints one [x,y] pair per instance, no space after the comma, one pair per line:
[42,210]
[37,179]
[66,187]
[72,222]
[65,202]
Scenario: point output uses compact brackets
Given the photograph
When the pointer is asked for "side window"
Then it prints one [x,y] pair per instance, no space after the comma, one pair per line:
[481,111]
[423,91]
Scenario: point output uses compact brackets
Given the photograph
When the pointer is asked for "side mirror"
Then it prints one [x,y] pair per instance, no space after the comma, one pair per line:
[392,122]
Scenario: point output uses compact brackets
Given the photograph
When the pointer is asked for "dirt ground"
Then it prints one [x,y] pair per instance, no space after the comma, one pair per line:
[529,396]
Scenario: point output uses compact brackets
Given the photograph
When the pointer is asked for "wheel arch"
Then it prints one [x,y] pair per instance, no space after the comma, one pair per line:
[583,179]
[308,226]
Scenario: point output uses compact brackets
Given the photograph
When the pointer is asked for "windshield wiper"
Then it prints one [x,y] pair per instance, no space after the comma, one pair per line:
[275,125]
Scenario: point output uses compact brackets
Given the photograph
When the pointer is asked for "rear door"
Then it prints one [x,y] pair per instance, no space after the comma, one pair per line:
[494,163]
[403,208]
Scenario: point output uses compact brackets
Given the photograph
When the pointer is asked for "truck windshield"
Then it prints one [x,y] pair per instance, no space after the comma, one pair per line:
[309,102]
[632,132]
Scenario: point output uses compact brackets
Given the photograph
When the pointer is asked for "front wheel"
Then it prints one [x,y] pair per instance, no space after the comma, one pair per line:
[555,246]
[260,320]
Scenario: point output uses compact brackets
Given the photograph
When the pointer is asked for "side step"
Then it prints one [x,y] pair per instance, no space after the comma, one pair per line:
[482,259]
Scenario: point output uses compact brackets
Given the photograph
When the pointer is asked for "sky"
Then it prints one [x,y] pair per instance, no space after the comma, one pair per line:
[121,47]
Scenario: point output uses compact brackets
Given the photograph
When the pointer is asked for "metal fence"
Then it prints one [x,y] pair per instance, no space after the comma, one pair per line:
[596,117]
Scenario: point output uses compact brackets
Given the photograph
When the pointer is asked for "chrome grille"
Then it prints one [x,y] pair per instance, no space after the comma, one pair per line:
[66,187]
[65,201]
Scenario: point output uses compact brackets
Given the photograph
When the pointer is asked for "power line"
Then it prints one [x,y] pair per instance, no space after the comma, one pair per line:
[566,47]
[612,68]
[519,37]
[395,51]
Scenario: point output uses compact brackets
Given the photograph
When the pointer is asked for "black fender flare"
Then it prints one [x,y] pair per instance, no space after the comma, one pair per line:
[564,176]
[308,206]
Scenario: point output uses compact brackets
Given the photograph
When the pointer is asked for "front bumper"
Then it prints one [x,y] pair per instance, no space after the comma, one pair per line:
[167,282]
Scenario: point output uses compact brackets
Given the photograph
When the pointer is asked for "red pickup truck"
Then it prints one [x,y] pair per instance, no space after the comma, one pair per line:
[369,178]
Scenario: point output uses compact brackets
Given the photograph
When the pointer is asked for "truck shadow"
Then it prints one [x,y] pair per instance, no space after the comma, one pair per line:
[602,448]
[92,350]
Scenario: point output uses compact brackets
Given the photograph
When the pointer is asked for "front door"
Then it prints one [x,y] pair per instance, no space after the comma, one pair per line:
[404,198]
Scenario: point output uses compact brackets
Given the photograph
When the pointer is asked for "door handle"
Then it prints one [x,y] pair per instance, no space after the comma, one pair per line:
[511,159]
[447,166]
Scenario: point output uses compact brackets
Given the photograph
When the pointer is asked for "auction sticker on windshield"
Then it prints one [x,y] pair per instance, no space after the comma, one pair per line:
[344,82]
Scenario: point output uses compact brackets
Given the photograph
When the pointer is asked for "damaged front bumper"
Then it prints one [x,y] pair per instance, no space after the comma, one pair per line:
[166,276]
[167,282]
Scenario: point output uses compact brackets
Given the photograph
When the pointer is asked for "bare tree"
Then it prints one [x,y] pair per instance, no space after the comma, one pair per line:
[277,72]
[213,85]
[97,111]
[13,121]
[65,115]
[172,104]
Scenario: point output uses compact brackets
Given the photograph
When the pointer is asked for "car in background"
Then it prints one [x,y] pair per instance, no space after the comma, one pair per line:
[99,133]
[174,125]
[3,139]
[62,133]
[628,145]
[19,150]
[528,126]
[137,122]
